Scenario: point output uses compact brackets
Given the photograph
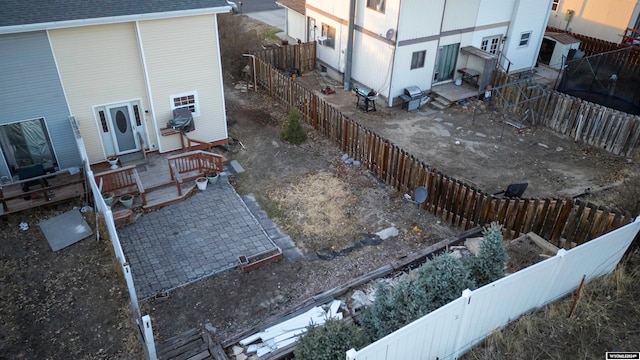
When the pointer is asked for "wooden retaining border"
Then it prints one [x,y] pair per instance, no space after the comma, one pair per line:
[562,221]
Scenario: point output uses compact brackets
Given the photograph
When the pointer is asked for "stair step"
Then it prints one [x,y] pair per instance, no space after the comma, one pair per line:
[444,101]
[122,217]
[438,105]
[167,195]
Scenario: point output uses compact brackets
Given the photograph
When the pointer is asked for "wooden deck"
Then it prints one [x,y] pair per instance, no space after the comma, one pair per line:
[192,344]
[60,187]
[159,188]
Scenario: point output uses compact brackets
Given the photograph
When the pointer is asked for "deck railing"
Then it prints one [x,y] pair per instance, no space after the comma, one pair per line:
[121,181]
[192,164]
[63,186]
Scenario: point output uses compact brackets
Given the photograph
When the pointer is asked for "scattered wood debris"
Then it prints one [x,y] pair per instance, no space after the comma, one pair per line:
[287,332]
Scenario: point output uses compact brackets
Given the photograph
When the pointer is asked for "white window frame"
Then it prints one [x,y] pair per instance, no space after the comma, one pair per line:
[555,5]
[491,44]
[196,104]
[525,38]
[329,33]
[376,5]
[416,61]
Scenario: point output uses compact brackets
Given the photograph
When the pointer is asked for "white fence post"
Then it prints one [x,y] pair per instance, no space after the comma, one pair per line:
[351,354]
[147,333]
[126,269]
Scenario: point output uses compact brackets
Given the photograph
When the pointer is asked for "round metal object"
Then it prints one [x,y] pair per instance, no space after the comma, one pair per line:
[420,194]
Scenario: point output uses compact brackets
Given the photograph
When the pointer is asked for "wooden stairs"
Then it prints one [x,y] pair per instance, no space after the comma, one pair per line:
[439,102]
[192,344]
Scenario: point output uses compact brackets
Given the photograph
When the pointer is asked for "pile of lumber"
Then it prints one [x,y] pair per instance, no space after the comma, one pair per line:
[287,332]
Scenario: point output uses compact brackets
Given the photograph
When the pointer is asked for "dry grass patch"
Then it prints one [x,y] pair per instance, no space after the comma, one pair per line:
[606,318]
[318,208]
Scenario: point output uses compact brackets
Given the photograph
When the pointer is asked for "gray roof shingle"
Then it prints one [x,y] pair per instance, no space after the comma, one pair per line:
[22,12]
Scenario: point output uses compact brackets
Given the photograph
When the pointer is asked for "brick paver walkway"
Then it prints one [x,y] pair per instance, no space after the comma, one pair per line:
[191,240]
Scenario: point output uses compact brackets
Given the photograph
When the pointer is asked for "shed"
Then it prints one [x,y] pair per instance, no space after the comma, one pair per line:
[481,62]
[557,48]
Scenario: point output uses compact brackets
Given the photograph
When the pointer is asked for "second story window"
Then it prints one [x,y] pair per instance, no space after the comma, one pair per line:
[524,39]
[555,5]
[377,5]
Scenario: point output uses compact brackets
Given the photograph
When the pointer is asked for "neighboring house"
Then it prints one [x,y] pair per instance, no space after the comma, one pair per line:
[601,19]
[118,67]
[402,43]
[295,24]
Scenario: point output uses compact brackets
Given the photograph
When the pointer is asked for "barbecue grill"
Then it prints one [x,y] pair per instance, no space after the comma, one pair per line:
[182,120]
[412,97]
[368,97]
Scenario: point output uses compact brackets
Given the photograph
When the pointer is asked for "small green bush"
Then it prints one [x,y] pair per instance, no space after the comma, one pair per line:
[377,319]
[330,341]
[488,266]
[441,280]
[435,284]
[294,131]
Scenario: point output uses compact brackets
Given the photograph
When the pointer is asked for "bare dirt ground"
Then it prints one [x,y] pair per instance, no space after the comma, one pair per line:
[321,203]
[69,304]
[483,152]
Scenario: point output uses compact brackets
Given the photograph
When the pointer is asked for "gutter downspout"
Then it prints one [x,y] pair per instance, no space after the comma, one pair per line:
[147,83]
[255,81]
[349,54]
[393,57]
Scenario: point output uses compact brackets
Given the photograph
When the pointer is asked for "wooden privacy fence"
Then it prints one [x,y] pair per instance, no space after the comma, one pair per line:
[461,205]
[301,57]
[593,124]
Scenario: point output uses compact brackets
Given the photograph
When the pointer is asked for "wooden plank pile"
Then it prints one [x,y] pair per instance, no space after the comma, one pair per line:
[286,333]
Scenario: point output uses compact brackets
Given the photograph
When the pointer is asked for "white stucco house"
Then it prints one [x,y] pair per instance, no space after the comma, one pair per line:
[602,19]
[403,43]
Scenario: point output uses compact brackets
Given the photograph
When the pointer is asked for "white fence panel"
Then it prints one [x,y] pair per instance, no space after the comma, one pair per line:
[453,329]
[146,331]
[495,305]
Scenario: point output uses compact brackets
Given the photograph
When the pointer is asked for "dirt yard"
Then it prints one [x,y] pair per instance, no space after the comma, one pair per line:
[323,204]
[69,304]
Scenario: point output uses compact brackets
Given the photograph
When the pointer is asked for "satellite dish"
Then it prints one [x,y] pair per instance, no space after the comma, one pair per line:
[420,195]
[514,190]
[390,33]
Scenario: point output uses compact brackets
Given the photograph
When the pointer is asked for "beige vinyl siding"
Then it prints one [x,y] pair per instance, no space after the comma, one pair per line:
[182,56]
[98,65]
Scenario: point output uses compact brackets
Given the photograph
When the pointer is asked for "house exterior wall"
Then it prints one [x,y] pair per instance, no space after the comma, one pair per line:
[98,65]
[372,65]
[182,56]
[429,17]
[460,15]
[419,27]
[606,20]
[31,89]
[404,76]
[296,25]
[528,16]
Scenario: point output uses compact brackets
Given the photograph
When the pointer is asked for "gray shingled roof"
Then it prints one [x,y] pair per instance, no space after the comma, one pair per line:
[21,12]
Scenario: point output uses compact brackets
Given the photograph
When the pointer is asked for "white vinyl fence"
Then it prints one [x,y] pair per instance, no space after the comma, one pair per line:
[143,322]
[455,328]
